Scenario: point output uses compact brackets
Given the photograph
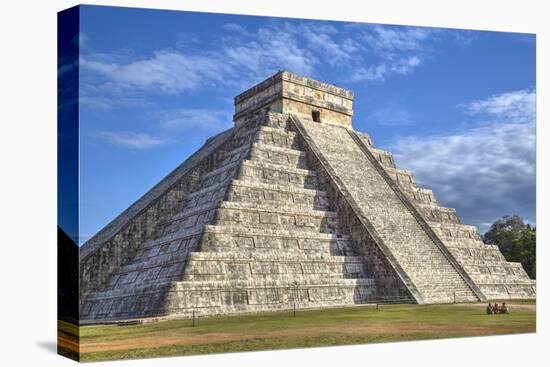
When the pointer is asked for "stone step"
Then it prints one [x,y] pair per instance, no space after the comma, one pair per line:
[277,155]
[253,245]
[464,243]
[287,217]
[283,177]
[162,259]
[218,266]
[259,192]
[454,231]
[255,283]
[204,198]
[236,155]
[276,120]
[498,270]
[276,232]
[275,291]
[401,176]
[195,298]
[451,297]
[505,291]
[225,159]
[210,195]
[270,273]
[277,174]
[420,195]
[221,175]
[516,284]
[478,261]
[423,263]
[385,158]
[278,137]
[275,256]
[173,239]
[467,254]
[173,255]
[436,213]
[499,280]
[188,222]
[232,284]
[292,242]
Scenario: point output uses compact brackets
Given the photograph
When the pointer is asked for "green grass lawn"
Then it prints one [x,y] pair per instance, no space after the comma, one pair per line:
[339,326]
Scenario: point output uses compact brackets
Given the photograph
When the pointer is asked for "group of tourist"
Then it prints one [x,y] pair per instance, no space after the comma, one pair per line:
[495,309]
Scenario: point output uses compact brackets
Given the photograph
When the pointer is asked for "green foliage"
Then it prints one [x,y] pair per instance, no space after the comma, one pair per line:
[516,240]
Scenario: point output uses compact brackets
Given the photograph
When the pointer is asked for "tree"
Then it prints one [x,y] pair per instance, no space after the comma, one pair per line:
[516,240]
[524,249]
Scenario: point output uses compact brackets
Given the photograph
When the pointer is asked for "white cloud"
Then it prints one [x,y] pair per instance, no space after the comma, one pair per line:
[321,39]
[518,105]
[184,119]
[238,61]
[128,139]
[358,52]
[99,102]
[271,48]
[233,27]
[386,38]
[400,50]
[485,172]
[381,71]
[463,37]
[171,122]
[166,71]
[405,66]
[371,73]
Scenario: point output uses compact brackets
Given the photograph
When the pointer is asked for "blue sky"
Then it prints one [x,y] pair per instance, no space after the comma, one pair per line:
[456,107]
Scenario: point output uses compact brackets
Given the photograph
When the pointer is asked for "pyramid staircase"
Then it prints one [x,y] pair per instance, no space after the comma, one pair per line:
[429,271]
[490,271]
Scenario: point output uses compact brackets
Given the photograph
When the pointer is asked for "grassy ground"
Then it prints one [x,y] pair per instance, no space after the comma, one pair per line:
[352,325]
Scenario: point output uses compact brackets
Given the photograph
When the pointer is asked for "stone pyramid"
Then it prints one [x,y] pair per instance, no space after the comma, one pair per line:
[289,208]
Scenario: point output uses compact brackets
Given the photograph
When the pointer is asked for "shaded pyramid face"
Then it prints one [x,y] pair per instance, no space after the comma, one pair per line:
[438,258]
[259,234]
[287,209]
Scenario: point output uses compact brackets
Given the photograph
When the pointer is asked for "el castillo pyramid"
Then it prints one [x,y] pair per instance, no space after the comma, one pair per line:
[289,208]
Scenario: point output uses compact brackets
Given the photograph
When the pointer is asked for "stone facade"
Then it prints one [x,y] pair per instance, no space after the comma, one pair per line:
[293,94]
[287,209]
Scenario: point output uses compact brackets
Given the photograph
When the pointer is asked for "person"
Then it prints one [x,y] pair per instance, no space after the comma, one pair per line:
[489,309]
[496,309]
[503,308]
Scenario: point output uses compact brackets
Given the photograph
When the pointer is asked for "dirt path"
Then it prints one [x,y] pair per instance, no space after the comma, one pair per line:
[357,329]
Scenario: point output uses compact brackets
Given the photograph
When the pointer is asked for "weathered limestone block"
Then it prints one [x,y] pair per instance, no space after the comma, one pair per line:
[220,238]
[419,195]
[434,213]
[276,155]
[277,175]
[290,93]
[277,138]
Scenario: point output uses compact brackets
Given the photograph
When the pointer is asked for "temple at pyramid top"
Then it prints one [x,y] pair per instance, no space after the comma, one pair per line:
[290,93]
